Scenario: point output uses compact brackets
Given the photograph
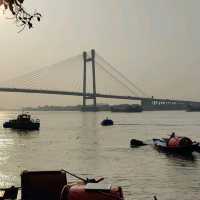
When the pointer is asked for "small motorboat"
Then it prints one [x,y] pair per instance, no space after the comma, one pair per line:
[176,144]
[23,122]
[107,122]
[53,185]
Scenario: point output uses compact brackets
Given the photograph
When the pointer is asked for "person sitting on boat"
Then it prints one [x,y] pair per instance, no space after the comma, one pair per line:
[172,135]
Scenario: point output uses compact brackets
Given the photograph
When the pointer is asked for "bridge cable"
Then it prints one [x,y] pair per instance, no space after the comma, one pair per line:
[37,73]
[125,78]
[130,90]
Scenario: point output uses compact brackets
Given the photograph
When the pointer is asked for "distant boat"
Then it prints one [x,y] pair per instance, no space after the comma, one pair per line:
[126,108]
[23,122]
[107,122]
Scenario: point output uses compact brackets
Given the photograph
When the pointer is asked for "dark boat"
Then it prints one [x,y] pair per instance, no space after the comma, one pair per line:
[107,122]
[176,144]
[23,122]
[53,185]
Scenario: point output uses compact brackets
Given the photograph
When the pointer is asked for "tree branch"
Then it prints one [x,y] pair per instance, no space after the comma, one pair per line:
[23,18]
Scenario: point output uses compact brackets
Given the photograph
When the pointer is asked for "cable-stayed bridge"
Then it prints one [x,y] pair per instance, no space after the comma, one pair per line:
[91,77]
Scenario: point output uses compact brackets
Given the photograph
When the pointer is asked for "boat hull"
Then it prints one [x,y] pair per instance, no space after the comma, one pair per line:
[22,126]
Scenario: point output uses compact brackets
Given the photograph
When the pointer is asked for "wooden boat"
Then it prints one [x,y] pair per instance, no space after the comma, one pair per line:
[53,185]
[176,144]
[23,122]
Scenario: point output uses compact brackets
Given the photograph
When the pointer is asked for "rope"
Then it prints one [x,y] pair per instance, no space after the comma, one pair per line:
[74,175]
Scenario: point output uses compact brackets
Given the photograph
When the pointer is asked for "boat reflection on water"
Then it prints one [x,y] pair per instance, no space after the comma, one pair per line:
[24,132]
[178,156]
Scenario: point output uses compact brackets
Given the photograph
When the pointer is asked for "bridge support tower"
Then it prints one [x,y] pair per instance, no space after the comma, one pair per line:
[89,59]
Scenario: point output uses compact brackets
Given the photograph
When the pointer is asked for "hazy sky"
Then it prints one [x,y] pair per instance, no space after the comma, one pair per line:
[155,43]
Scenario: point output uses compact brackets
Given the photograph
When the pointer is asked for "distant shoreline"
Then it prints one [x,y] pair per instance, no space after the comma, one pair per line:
[100,107]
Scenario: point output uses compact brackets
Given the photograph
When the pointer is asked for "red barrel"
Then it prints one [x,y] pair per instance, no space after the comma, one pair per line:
[78,192]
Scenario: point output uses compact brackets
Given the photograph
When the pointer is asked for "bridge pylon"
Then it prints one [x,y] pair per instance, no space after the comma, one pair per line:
[86,60]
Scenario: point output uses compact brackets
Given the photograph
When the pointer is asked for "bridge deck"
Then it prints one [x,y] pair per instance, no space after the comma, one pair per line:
[53,92]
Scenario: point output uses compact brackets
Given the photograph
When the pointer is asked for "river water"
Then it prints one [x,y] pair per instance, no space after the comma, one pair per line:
[77,142]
